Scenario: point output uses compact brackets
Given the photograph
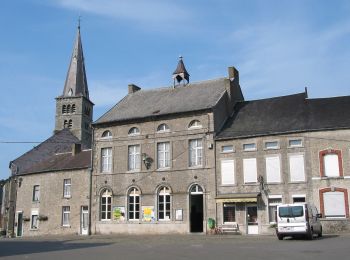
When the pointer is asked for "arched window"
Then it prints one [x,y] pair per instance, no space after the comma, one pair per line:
[68,109]
[70,123]
[134,131]
[164,203]
[195,124]
[73,108]
[331,163]
[334,202]
[106,204]
[64,109]
[107,134]
[196,189]
[65,124]
[134,204]
[163,128]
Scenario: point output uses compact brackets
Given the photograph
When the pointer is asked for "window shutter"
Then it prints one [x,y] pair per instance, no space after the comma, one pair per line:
[296,167]
[334,204]
[249,169]
[227,172]
[331,165]
[273,169]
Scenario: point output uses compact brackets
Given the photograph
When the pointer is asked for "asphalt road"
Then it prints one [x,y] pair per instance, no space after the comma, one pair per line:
[176,247]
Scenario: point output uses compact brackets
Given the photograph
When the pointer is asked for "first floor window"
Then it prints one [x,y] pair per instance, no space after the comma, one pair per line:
[134,161]
[134,204]
[331,163]
[36,193]
[106,205]
[273,203]
[65,215]
[273,169]
[163,155]
[106,159]
[196,152]
[250,170]
[296,167]
[229,212]
[66,188]
[227,172]
[164,206]
[34,221]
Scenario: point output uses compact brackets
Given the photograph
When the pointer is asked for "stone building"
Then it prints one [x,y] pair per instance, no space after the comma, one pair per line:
[284,150]
[154,156]
[50,184]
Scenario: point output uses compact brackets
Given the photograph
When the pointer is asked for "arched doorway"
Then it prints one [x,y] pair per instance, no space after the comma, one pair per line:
[196,209]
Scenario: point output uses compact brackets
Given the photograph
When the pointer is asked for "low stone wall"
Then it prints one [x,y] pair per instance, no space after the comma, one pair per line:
[331,226]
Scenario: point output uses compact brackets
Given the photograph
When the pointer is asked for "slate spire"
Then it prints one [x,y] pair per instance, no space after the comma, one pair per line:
[76,83]
[181,73]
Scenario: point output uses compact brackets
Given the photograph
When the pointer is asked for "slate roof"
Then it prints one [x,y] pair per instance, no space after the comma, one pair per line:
[60,142]
[162,101]
[65,161]
[287,114]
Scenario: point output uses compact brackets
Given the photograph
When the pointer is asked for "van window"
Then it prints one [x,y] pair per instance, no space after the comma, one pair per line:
[291,212]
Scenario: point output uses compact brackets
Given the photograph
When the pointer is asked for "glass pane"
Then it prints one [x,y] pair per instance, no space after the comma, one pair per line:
[161,199]
[161,215]
[161,206]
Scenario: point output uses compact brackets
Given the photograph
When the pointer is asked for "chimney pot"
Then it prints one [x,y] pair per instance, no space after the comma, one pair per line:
[132,88]
[233,74]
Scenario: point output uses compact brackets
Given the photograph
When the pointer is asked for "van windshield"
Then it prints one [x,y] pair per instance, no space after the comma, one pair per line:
[291,212]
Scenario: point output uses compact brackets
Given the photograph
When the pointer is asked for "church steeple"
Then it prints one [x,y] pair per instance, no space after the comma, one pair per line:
[76,83]
[181,74]
[74,108]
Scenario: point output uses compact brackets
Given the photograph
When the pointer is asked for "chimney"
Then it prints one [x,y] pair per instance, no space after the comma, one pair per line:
[133,88]
[233,74]
[76,148]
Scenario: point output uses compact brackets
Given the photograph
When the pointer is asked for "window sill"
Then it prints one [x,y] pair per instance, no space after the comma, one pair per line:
[67,197]
[251,184]
[33,229]
[332,177]
[163,169]
[228,185]
[134,171]
[227,152]
[296,182]
[66,226]
[195,167]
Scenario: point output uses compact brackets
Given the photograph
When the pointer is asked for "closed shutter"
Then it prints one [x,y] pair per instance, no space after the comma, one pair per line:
[334,204]
[273,169]
[249,169]
[296,167]
[227,172]
[331,165]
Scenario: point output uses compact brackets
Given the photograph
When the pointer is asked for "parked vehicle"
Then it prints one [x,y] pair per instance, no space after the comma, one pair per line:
[298,219]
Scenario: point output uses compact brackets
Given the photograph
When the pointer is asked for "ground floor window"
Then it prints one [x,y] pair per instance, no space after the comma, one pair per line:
[65,215]
[298,199]
[164,205]
[106,205]
[34,220]
[134,204]
[229,212]
[273,203]
[334,203]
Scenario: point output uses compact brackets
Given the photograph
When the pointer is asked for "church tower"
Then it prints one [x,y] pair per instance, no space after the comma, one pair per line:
[74,108]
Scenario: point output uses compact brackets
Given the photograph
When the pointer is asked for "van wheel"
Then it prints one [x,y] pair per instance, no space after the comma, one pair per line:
[310,235]
[320,234]
[280,237]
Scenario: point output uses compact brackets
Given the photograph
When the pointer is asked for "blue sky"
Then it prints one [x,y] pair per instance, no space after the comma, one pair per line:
[278,46]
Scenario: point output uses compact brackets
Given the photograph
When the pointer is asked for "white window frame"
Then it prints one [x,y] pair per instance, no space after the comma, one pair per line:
[274,205]
[276,147]
[106,159]
[195,124]
[227,148]
[271,178]
[106,134]
[246,147]
[132,214]
[295,145]
[67,188]
[106,200]
[134,157]
[227,172]
[247,178]
[233,205]
[163,155]
[165,193]
[34,213]
[327,209]
[290,167]
[36,193]
[163,128]
[196,152]
[331,165]
[66,216]
[134,131]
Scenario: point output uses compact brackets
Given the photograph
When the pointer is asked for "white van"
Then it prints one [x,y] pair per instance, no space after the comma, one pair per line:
[298,219]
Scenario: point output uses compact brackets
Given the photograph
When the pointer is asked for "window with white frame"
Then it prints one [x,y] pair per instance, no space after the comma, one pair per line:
[250,170]
[334,204]
[106,159]
[227,149]
[296,167]
[270,145]
[227,172]
[195,124]
[229,213]
[249,147]
[134,204]
[65,216]
[107,134]
[274,201]
[67,183]
[164,203]
[134,158]
[196,152]
[331,166]
[163,128]
[163,155]
[273,169]
[36,193]
[295,143]
[34,223]
[134,131]
[106,205]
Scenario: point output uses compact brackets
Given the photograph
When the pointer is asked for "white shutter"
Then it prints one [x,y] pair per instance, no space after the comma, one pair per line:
[296,167]
[334,204]
[273,169]
[249,169]
[331,165]
[227,172]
